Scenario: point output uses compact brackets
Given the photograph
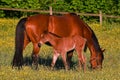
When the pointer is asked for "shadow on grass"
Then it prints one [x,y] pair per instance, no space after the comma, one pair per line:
[47,62]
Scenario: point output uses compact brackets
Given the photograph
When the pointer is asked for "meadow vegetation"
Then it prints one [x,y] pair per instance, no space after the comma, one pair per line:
[108,36]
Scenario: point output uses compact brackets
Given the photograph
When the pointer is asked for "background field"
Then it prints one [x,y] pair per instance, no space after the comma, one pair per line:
[108,36]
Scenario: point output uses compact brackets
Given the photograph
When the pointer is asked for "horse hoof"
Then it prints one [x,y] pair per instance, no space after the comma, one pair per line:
[17,67]
[34,67]
[52,68]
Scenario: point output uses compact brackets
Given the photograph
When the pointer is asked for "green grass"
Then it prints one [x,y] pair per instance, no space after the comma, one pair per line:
[108,36]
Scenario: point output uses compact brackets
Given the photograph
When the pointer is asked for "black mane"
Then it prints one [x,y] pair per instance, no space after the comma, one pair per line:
[55,35]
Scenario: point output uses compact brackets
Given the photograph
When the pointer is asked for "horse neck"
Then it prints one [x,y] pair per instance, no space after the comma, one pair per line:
[53,40]
[94,40]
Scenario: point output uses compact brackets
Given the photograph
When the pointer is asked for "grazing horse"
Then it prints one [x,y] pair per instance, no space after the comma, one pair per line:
[62,45]
[29,30]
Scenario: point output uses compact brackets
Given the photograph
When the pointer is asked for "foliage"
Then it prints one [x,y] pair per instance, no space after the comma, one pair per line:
[108,37]
[60,6]
[85,6]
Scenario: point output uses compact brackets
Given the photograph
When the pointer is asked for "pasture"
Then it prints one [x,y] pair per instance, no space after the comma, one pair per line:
[108,36]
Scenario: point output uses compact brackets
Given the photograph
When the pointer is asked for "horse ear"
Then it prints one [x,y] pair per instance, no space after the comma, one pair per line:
[103,50]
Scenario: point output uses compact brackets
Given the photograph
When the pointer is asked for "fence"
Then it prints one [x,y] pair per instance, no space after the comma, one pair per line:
[100,14]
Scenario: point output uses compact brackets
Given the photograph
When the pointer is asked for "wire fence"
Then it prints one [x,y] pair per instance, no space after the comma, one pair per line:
[50,11]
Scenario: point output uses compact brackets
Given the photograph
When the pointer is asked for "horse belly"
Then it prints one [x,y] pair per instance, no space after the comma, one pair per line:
[68,44]
[60,26]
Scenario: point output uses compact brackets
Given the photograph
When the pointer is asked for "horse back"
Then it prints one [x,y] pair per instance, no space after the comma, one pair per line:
[39,22]
[66,25]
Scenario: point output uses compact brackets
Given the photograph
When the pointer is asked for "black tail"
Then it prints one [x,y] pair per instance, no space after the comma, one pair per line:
[19,42]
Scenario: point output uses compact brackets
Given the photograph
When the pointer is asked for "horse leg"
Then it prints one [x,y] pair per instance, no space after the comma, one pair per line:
[35,56]
[69,57]
[81,58]
[83,61]
[55,56]
[79,48]
[63,54]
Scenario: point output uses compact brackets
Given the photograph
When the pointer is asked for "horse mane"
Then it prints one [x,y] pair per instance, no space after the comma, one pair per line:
[55,35]
[72,13]
[96,43]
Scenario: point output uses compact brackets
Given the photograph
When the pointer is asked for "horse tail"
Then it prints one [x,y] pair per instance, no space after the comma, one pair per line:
[19,43]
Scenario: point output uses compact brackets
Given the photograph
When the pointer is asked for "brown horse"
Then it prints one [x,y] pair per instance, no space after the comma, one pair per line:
[62,45]
[29,30]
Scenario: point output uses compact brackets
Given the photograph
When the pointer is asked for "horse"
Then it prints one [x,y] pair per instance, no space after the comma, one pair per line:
[62,45]
[30,28]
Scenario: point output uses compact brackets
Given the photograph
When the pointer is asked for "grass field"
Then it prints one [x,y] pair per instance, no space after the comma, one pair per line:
[108,36]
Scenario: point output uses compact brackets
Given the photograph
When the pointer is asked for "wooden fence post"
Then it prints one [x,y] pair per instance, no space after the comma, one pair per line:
[100,17]
[50,10]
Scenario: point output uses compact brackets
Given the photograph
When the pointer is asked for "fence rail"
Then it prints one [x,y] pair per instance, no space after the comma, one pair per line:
[100,14]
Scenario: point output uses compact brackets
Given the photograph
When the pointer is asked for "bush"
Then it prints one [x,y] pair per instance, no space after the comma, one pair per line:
[111,7]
